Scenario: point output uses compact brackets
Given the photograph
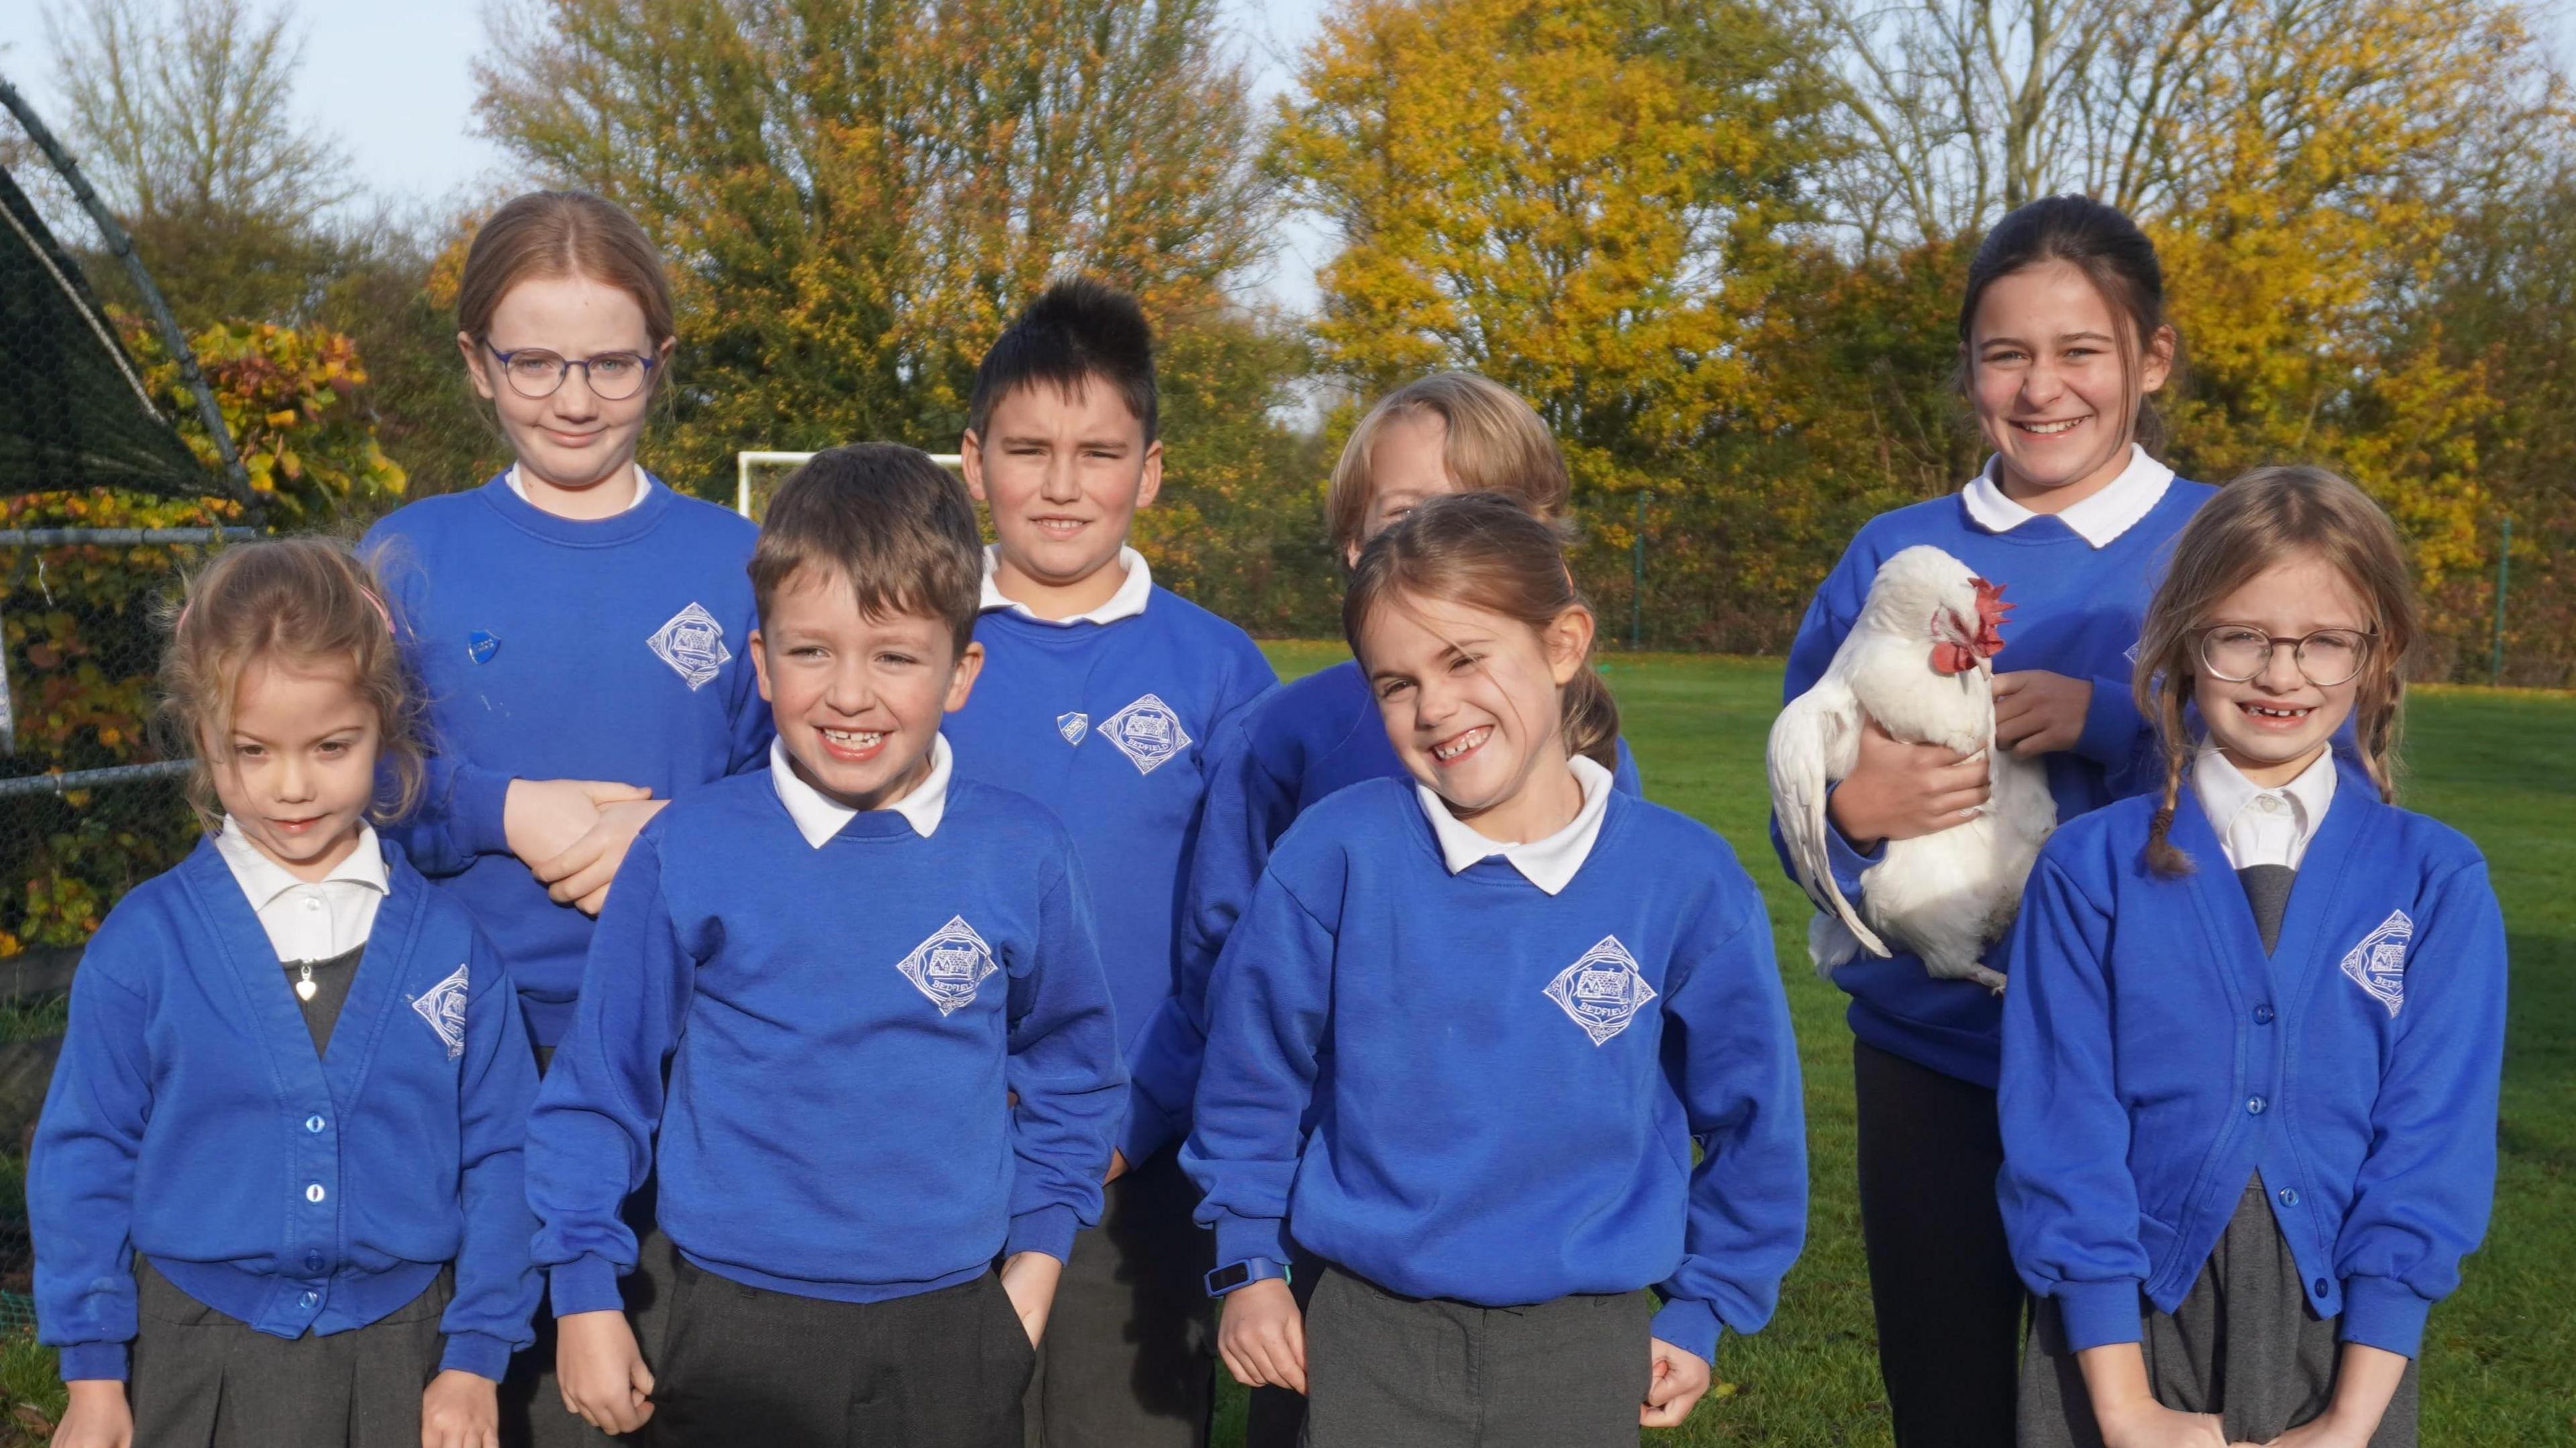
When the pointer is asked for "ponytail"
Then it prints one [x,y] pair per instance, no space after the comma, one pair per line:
[1591,718]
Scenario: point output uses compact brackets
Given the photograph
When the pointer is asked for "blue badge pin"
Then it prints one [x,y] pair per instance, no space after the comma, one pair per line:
[481,646]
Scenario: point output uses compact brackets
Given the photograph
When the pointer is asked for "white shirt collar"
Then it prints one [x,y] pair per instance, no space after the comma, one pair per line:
[2098,520]
[819,817]
[643,487]
[1551,863]
[263,879]
[2263,826]
[1134,592]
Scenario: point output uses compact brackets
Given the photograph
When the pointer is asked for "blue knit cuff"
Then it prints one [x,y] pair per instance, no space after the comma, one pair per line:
[478,801]
[1241,1239]
[478,1353]
[83,1361]
[585,1284]
[2384,1313]
[1691,1326]
[1047,1229]
[2098,1314]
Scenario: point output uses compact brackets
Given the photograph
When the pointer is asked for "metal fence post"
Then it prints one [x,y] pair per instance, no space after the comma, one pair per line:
[1637,580]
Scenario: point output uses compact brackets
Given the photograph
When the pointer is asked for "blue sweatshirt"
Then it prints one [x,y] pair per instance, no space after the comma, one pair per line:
[555,649]
[2079,612]
[1306,739]
[841,1026]
[2155,1060]
[191,1120]
[1108,725]
[1515,1079]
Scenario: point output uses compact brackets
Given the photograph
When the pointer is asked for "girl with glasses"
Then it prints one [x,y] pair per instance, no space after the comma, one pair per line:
[581,627]
[2254,1031]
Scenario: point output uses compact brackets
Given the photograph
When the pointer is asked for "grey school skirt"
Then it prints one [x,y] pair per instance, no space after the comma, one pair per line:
[201,1379]
[2241,1344]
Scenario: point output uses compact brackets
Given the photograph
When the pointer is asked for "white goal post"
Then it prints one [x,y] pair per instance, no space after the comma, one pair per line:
[744,462]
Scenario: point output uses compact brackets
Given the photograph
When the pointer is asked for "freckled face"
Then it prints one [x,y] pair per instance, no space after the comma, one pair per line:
[298,768]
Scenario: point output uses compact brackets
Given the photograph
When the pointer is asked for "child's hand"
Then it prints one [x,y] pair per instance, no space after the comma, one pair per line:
[2150,1424]
[2037,712]
[1680,1377]
[460,1410]
[1901,791]
[542,817]
[97,1416]
[1028,1279]
[1262,1336]
[602,1372]
[1117,1166]
[579,875]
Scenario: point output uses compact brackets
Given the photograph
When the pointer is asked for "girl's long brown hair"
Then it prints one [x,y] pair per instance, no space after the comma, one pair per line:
[1486,551]
[305,599]
[2255,522]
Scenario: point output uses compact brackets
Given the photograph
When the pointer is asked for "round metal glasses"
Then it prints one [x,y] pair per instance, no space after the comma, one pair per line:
[535,372]
[2238,652]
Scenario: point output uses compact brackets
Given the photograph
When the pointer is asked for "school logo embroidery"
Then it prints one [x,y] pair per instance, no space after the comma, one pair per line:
[1073,726]
[481,646]
[443,1006]
[2378,963]
[1603,991]
[1147,732]
[949,965]
[692,643]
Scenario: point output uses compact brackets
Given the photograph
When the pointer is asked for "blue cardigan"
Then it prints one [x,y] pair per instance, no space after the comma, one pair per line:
[1464,1087]
[191,1120]
[2155,1060]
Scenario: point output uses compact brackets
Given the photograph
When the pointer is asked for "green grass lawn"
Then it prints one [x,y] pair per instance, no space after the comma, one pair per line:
[2501,767]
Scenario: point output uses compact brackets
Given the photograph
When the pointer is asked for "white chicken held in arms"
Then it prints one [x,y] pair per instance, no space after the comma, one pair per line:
[1919,662]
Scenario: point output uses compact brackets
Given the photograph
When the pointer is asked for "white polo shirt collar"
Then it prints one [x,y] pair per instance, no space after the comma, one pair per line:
[309,919]
[1134,591]
[2257,826]
[643,487]
[1551,863]
[819,817]
[2098,520]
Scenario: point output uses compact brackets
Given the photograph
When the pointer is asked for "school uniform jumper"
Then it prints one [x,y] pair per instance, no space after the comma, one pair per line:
[1475,1098]
[1925,1050]
[2239,1155]
[560,648]
[288,1215]
[1106,720]
[843,1002]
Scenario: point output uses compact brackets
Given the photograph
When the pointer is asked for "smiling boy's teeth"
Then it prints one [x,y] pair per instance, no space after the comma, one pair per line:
[852,739]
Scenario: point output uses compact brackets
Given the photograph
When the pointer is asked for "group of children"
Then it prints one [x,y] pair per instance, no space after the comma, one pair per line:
[838,983]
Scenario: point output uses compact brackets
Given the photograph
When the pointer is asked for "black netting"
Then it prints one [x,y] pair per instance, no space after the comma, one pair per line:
[74,411]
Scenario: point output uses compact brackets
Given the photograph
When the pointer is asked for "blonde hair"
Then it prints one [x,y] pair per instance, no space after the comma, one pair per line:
[306,599]
[546,235]
[1485,550]
[2256,522]
[1497,444]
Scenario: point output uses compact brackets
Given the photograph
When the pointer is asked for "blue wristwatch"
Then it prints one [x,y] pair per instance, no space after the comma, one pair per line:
[1239,1274]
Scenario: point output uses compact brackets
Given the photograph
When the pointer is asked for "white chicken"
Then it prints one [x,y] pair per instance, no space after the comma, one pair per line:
[1918,662]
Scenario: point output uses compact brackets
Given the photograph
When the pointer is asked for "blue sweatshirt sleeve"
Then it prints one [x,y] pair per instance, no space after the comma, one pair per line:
[1733,1059]
[1242,814]
[496,1284]
[459,817]
[590,1137]
[2070,1207]
[1266,1008]
[2421,1201]
[81,1169]
[1065,1070]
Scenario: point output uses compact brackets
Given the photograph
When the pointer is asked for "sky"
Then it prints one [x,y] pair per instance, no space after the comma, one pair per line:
[413,139]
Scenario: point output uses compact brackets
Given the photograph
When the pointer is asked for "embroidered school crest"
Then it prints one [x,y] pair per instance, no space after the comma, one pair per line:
[1073,726]
[949,965]
[1147,732]
[1603,991]
[480,646]
[443,1006]
[2378,963]
[692,643]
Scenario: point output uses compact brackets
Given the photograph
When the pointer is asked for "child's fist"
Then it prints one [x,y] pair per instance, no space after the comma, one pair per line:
[97,1416]
[601,1372]
[1679,1377]
[460,1410]
[1262,1336]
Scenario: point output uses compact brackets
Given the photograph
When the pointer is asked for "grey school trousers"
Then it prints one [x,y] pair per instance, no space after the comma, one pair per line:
[1384,1370]
[1129,1359]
